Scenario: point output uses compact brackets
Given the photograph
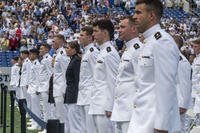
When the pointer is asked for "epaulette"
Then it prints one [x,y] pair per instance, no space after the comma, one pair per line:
[157,35]
[91,49]
[35,63]
[108,49]
[136,46]
[46,56]
[61,52]
[180,58]
[26,60]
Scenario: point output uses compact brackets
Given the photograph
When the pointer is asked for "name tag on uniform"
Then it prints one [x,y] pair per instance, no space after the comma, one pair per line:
[99,61]
[126,60]
[84,61]
[146,57]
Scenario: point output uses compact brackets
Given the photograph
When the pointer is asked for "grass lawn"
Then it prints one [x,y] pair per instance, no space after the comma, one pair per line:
[17,119]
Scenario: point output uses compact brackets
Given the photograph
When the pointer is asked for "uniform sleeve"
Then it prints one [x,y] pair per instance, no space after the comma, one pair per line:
[12,76]
[185,84]
[49,67]
[92,60]
[111,63]
[64,62]
[166,58]
[37,70]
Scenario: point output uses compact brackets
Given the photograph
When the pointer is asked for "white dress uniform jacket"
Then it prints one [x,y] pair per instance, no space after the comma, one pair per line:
[156,105]
[184,84]
[45,73]
[86,81]
[14,77]
[25,72]
[125,90]
[196,83]
[59,70]
[105,73]
[33,83]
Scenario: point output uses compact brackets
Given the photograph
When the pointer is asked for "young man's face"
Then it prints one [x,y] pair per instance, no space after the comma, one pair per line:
[196,48]
[43,50]
[142,17]
[32,56]
[55,43]
[84,38]
[98,34]
[125,30]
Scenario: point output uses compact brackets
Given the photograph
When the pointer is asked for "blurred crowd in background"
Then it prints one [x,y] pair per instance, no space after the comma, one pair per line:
[25,24]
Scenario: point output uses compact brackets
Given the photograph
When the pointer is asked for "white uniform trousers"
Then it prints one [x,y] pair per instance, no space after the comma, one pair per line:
[52,111]
[61,112]
[183,124]
[87,120]
[17,90]
[122,127]
[22,94]
[60,109]
[103,124]
[46,109]
[74,117]
[35,107]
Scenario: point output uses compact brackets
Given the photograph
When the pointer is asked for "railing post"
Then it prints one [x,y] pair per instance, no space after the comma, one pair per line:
[5,108]
[12,93]
[53,126]
[2,88]
[62,128]
[23,115]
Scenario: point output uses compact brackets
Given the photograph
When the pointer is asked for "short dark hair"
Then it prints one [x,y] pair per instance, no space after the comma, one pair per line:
[196,41]
[130,19]
[34,51]
[61,37]
[179,40]
[46,46]
[25,52]
[105,24]
[75,45]
[155,5]
[15,58]
[88,30]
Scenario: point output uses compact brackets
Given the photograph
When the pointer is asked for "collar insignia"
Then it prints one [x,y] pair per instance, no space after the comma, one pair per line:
[91,49]
[136,46]
[108,49]
[157,35]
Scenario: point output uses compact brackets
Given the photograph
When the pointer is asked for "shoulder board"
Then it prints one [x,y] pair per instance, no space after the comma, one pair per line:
[136,46]
[35,63]
[180,58]
[46,56]
[61,52]
[26,60]
[108,49]
[157,35]
[91,49]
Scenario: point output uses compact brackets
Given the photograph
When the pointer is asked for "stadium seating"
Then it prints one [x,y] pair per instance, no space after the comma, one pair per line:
[6,56]
[196,11]
[176,14]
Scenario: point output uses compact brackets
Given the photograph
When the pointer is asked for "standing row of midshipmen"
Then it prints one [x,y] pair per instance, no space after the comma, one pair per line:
[139,93]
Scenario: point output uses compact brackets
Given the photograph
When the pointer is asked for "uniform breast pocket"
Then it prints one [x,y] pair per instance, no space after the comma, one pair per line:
[126,64]
[57,67]
[145,61]
[84,67]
